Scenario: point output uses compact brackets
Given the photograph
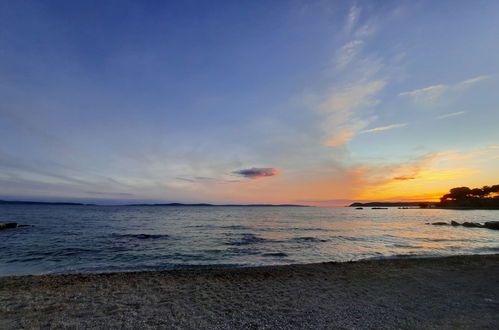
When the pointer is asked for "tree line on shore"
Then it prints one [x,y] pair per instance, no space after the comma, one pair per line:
[485,197]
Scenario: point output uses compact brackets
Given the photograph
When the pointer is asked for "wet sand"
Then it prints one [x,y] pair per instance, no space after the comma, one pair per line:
[455,292]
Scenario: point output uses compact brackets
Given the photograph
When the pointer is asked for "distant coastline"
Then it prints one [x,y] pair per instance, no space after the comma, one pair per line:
[4,202]
[41,203]
[389,204]
[425,205]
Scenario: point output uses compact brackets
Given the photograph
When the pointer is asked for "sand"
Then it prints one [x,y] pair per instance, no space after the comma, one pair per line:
[455,292]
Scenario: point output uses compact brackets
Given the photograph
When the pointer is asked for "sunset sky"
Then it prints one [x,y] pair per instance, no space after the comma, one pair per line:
[309,102]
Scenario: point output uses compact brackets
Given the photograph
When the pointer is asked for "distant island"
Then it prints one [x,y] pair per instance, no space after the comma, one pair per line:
[392,204]
[148,204]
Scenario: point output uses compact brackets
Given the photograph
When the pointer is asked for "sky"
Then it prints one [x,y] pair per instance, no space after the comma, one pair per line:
[308,102]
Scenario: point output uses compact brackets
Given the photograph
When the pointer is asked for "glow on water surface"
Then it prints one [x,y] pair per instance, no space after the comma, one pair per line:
[68,239]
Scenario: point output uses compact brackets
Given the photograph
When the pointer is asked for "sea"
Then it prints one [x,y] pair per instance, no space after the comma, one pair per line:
[81,239]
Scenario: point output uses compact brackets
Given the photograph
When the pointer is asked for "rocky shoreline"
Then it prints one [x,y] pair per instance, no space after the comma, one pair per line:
[489,225]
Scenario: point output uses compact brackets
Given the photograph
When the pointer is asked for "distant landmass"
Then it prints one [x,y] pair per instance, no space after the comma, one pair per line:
[146,204]
[40,203]
[388,204]
[215,205]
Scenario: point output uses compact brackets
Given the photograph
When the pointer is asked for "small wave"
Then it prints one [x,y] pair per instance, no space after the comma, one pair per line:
[73,251]
[351,238]
[309,239]
[235,227]
[140,236]
[191,257]
[275,254]
[247,239]
[490,248]
[213,251]
[398,256]
[201,226]
[313,229]
[405,246]
[238,251]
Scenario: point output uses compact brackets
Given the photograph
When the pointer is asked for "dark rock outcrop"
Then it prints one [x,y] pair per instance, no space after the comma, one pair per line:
[12,225]
[489,225]
[9,225]
[492,225]
[472,225]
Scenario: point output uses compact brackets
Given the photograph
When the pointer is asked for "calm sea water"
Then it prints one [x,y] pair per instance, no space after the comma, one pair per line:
[68,239]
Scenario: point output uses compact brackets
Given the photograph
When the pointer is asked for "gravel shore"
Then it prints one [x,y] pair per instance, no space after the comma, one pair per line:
[452,292]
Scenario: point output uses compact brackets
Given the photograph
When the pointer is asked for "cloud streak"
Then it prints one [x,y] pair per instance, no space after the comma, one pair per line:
[383,128]
[404,178]
[472,81]
[429,95]
[453,114]
[435,89]
[256,173]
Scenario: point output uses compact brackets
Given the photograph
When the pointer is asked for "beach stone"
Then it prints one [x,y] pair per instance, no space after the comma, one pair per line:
[492,225]
[472,225]
[454,223]
[440,223]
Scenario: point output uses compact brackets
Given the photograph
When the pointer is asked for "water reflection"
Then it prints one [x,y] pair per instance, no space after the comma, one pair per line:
[76,239]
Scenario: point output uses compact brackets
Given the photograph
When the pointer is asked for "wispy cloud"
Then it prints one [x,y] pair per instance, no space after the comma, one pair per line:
[346,110]
[204,179]
[494,147]
[352,18]
[404,178]
[456,155]
[472,81]
[347,53]
[340,139]
[425,90]
[453,114]
[429,95]
[426,94]
[383,128]
[256,173]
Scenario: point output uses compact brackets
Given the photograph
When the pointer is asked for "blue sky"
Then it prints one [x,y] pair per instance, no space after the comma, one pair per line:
[320,101]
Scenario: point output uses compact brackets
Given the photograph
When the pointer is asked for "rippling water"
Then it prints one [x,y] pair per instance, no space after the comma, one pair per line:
[69,239]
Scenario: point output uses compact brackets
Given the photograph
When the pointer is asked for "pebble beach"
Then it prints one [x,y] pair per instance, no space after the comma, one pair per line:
[445,293]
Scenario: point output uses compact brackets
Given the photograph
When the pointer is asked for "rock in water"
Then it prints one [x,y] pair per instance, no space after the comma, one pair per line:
[492,225]
[8,225]
[454,223]
[440,223]
[472,225]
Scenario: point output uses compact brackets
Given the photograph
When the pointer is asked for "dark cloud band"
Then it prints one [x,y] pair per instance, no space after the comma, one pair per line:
[255,172]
